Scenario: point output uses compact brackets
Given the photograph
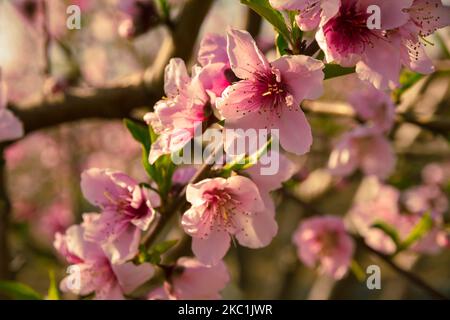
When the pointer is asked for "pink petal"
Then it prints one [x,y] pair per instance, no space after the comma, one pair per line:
[303,76]
[393,13]
[211,250]
[245,58]
[381,65]
[247,193]
[125,246]
[239,99]
[176,78]
[100,186]
[295,133]
[380,161]
[256,230]
[11,127]
[131,276]
[213,49]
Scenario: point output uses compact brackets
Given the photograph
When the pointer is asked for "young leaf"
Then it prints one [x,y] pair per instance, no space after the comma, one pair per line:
[53,291]
[263,8]
[18,291]
[420,229]
[282,45]
[154,254]
[142,135]
[244,162]
[389,231]
[407,80]
[335,70]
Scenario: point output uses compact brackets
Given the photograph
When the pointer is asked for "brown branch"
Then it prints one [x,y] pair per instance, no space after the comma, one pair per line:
[119,100]
[411,277]
[254,23]
[5,207]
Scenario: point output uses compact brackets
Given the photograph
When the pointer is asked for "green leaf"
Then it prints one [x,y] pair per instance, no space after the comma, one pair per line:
[164,6]
[407,80]
[358,271]
[154,254]
[335,70]
[275,18]
[282,45]
[18,291]
[420,229]
[244,162]
[389,230]
[143,135]
[53,291]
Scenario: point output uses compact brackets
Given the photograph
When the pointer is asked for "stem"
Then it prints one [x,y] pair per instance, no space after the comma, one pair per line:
[5,257]
[411,277]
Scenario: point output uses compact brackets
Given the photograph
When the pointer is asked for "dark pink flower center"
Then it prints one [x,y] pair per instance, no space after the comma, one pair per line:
[223,204]
[272,92]
[348,33]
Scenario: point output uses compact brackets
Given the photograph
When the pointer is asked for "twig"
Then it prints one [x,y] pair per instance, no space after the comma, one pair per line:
[411,277]
[5,272]
[120,99]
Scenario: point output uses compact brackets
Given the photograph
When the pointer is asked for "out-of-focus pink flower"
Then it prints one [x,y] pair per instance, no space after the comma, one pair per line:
[56,219]
[436,173]
[425,198]
[126,210]
[346,39]
[382,206]
[216,74]
[176,117]
[11,127]
[268,96]
[311,13]
[222,208]
[426,16]
[92,271]
[324,241]
[363,148]
[183,175]
[189,279]
[374,106]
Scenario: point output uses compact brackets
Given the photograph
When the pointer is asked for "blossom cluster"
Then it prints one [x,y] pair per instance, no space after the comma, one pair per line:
[234,85]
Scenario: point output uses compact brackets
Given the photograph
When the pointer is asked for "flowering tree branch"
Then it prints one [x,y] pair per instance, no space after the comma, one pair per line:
[118,100]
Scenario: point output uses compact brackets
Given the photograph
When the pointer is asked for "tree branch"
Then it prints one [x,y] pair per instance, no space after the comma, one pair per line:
[119,100]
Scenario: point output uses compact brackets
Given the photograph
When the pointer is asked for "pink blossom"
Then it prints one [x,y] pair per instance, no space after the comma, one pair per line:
[363,148]
[57,218]
[177,117]
[324,241]
[425,198]
[381,206]
[268,183]
[222,208]
[426,16]
[436,173]
[311,13]
[269,94]
[92,270]
[216,74]
[11,127]
[126,209]
[347,40]
[375,107]
[189,279]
